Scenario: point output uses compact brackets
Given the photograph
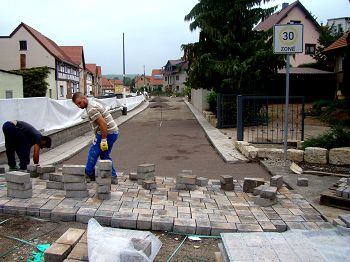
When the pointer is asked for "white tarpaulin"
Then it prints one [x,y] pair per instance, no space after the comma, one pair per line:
[46,114]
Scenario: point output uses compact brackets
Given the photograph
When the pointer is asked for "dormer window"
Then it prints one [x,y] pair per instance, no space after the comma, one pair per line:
[22,45]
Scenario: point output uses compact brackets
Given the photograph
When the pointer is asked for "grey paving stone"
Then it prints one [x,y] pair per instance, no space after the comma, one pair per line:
[58,177]
[32,168]
[217,228]
[257,190]
[292,218]
[77,194]
[146,167]
[184,226]
[104,165]
[226,179]
[17,177]
[57,252]
[201,181]
[71,236]
[104,217]
[73,170]
[44,176]
[264,202]
[19,193]
[84,214]
[228,187]
[45,169]
[280,225]
[187,179]
[19,186]
[180,186]
[302,181]
[103,181]
[103,188]
[203,227]
[249,228]
[276,181]
[67,178]
[104,196]
[269,192]
[133,176]
[75,186]
[268,226]
[64,213]
[79,253]
[345,218]
[162,223]
[250,183]
[45,210]
[295,225]
[124,220]
[54,185]
[144,222]
[149,184]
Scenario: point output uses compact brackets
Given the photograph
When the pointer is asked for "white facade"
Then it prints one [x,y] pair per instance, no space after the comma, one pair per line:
[89,83]
[11,85]
[341,24]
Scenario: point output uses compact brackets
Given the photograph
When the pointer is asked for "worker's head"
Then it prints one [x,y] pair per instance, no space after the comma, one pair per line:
[45,142]
[80,100]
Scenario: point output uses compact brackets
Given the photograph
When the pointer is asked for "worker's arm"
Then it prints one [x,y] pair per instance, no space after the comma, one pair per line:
[36,154]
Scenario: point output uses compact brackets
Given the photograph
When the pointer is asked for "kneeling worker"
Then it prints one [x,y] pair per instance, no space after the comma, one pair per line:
[105,130]
[19,138]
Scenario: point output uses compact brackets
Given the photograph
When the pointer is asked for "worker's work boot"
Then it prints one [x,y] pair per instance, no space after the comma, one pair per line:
[90,178]
[114,180]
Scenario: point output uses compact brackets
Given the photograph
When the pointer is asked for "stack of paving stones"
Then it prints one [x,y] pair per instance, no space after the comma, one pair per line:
[55,181]
[226,182]
[276,181]
[267,196]
[74,181]
[250,183]
[4,169]
[343,189]
[44,171]
[202,181]
[19,184]
[133,176]
[103,179]
[186,180]
[33,170]
[145,172]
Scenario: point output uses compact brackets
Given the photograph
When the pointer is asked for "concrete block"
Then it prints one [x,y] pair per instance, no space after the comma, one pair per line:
[67,178]
[295,155]
[75,186]
[103,188]
[104,196]
[44,176]
[264,202]
[274,153]
[228,187]
[71,236]
[269,192]
[124,220]
[186,179]
[201,181]
[162,223]
[302,181]
[249,228]
[339,156]
[103,181]
[316,155]
[221,227]
[145,176]
[339,191]
[17,177]
[4,169]
[185,187]
[103,173]
[57,177]
[73,170]
[32,168]
[104,217]
[77,194]
[144,221]
[79,253]
[54,185]
[84,214]
[133,176]
[280,225]
[250,183]
[226,179]
[257,190]
[19,193]
[63,214]
[57,252]
[146,168]
[45,169]
[345,218]
[149,184]
[276,181]
[203,227]
[346,193]
[21,186]
[105,165]
[184,226]
[142,245]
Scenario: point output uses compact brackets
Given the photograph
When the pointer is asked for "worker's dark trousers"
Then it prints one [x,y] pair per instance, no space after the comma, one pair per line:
[16,142]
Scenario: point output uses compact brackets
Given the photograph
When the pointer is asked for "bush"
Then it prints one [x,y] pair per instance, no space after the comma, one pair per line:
[212,101]
[336,137]
[317,106]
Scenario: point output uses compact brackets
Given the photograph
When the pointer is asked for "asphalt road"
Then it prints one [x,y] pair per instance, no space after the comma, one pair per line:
[168,135]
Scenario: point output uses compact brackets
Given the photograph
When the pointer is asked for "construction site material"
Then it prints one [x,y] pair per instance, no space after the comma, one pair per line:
[250,183]
[186,181]
[103,179]
[302,181]
[145,172]
[19,184]
[226,183]
[72,173]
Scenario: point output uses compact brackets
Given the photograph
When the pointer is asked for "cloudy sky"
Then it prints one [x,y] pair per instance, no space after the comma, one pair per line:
[154,29]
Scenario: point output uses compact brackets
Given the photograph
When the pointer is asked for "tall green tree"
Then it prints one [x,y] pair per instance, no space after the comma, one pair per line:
[230,57]
[34,81]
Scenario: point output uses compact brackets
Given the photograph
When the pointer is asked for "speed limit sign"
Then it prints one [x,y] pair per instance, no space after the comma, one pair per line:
[288,39]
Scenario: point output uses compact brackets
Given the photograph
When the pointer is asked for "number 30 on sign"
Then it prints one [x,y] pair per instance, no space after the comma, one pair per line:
[288,39]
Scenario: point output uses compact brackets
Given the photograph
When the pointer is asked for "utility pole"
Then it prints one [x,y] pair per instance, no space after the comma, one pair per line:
[144,79]
[125,109]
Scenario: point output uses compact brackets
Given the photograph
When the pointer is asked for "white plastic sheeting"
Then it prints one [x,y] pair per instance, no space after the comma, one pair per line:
[46,114]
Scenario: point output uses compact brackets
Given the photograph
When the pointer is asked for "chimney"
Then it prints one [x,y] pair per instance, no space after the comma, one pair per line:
[284,5]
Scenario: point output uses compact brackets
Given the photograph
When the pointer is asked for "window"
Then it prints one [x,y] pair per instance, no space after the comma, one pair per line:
[295,22]
[8,94]
[166,78]
[310,49]
[23,61]
[61,91]
[22,45]
[177,77]
[50,93]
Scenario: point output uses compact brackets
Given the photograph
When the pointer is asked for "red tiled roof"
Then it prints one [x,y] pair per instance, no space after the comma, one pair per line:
[277,17]
[340,43]
[156,72]
[91,68]
[116,81]
[98,71]
[75,53]
[106,84]
[47,43]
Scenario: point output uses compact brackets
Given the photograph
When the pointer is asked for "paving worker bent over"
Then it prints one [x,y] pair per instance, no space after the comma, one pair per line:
[105,130]
[19,138]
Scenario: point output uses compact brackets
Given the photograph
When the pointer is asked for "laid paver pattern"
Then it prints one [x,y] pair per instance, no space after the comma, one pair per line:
[206,210]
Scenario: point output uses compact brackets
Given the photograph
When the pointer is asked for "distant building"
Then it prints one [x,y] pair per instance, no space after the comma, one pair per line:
[93,80]
[175,75]
[118,85]
[11,85]
[339,25]
[296,13]
[142,81]
[107,86]
[156,82]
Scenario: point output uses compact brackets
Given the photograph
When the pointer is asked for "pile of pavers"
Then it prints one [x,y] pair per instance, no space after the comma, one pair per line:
[343,189]
[250,183]
[146,175]
[226,182]
[55,181]
[186,180]
[19,184]
[32,169]
[103,179]
[74,181]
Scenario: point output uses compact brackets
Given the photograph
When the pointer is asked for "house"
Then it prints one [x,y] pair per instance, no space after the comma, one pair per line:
[25,47]
[156,82]
[296,13]
[11,85]
[98,80]
[90,75]
[107,86]
[76,54]
[338,49]
[142,81]
[93,80]
[175,75]
[339,25]
[118,85]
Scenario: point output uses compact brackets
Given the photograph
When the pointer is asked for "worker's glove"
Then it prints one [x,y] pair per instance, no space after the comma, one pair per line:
[104,145]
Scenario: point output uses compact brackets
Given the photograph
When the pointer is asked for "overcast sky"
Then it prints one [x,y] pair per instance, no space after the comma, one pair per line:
[154,29]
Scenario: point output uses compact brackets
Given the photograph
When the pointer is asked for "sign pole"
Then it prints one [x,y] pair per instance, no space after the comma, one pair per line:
[286,109]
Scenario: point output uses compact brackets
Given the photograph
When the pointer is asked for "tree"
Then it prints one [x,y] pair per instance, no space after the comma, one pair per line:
[34,81]
[326,38]
[345,86]
[230,57]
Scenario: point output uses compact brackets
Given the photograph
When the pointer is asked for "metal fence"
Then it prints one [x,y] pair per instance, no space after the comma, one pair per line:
[226,110]
[260,119]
